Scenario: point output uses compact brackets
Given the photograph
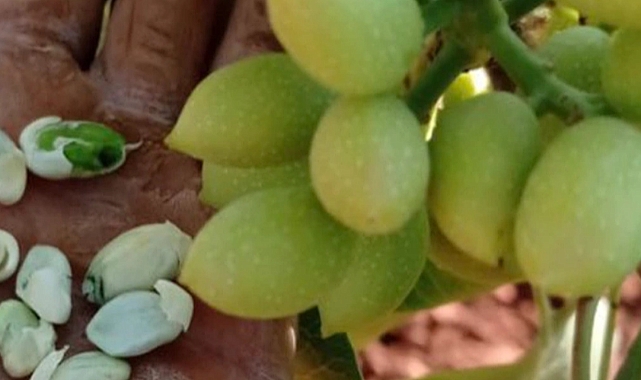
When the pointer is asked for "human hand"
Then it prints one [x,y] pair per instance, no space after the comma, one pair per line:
[155,52]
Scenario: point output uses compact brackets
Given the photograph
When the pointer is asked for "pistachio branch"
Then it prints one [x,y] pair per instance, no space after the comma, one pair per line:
[582,345]
[545,90]
[453,58]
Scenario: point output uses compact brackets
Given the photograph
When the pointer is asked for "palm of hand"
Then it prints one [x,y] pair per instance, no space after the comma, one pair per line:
[155,52]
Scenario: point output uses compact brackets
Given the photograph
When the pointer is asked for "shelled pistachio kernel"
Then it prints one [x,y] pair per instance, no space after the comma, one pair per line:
[136,260]
[9,255]
[44,283]
[24,340]
[93,365]
[138,322]
[13,171]
[48,365]
[57,149]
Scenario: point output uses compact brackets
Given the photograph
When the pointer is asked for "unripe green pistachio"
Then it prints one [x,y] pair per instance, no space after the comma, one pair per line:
[136,260]
[13,171]
[57,149]
[44,283]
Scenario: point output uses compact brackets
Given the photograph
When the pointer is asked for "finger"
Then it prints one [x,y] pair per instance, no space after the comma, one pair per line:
[248,33]
[156,51]
[73,24]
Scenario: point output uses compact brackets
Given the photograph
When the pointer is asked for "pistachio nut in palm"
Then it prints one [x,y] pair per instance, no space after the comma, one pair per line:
[44,283]
[57,149]
[13,171]
[136,260]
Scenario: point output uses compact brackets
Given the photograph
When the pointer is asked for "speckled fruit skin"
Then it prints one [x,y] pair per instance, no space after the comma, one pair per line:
[577,55]
[269,254]
[577,227]
[384,271]
[621,13]
[222,184]
[369,163]
[260,111]
[357,47]
[620,76]
[481,153]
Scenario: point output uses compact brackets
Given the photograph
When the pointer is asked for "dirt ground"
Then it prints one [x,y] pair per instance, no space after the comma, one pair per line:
[494,329]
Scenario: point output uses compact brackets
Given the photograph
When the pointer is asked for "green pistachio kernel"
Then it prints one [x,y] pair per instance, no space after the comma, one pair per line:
[57,149]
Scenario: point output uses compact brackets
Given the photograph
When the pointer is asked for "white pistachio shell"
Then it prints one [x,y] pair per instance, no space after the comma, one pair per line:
[23,348]
[177,304]
[92,365]
[44,283]
[46,164]
[48,365]
[13,171]
[132,324]
[9,255]
[15,313]
[135,260]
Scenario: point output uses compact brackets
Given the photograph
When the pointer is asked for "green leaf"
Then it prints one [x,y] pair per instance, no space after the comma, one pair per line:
[450,275]
[436,287]
[323,359]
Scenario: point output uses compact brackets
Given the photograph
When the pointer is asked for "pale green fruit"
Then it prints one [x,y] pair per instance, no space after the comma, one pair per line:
[384,271]
[621,13]
[369,163]
[551,126]
[577,56]
[577,227]
[482,152]
[357,47]
[269,254]
[260,111]
[222,184]
[621,79]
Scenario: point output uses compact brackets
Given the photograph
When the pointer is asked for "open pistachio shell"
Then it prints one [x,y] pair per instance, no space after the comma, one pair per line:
[13,171]
[23,348]
[175,302]
[136,260]
[48,365]
[9,255]
[132,324]
[44,283]
[93,365]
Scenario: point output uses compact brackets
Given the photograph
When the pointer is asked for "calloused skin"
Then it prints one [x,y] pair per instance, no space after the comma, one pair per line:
[156,51]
